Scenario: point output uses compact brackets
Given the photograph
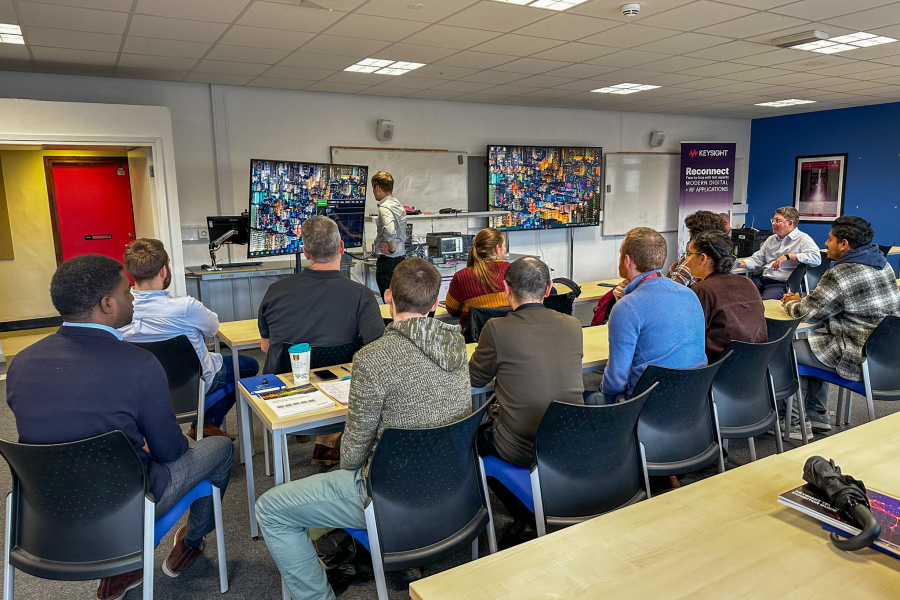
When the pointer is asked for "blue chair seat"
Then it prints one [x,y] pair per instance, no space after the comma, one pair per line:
[516,479]
[360,535]
[856,386]
[168,520]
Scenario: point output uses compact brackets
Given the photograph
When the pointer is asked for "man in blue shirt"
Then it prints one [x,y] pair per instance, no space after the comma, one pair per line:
[159,316]
[656,322]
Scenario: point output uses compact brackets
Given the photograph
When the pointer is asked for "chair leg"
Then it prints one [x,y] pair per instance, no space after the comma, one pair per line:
[870,404]
[201,409]
[220,539]
[492,535]
[475,549]
[149,547]
[788,412]
[848,408]
[718,438]
[752,445]
[9,572]
[779,444]
[801,404]
[286,458]
[266,450]
[375,551]
[644,468]
[839,413]
[538,502]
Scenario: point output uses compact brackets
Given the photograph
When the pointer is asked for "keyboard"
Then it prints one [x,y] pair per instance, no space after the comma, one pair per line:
[239,265]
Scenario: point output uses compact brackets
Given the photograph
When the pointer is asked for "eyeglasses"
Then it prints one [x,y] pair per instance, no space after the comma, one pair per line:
[778,221]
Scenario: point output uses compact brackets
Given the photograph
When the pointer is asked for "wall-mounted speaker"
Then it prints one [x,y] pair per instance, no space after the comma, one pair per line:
[657,138]
[384,131]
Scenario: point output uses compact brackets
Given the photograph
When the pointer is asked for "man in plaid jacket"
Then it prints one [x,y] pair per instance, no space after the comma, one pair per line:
[852,298]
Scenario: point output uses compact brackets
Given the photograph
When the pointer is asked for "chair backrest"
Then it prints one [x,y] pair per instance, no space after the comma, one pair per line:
[183,370]
[77,507]
[677,421]
[741,388]
[796,278]
[885,249]
[589,458]
[814,274]
[781,365]
[882,354]
[321,356]
[564,303]
[427,491]
[478,317]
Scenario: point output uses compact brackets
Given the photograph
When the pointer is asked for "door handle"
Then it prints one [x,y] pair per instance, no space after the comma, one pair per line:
[130,235]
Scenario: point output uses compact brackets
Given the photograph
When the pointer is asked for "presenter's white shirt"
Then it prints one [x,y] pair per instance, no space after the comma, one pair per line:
[796,242]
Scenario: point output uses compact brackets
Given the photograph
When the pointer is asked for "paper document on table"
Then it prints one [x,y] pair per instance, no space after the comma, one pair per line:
[339,390]
[295,400]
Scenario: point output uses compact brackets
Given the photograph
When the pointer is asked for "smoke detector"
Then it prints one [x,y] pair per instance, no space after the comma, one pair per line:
[631,10]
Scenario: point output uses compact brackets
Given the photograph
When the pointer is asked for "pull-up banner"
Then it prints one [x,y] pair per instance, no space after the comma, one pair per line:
[707,181]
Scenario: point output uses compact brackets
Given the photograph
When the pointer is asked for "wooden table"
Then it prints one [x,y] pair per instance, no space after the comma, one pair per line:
[720,538]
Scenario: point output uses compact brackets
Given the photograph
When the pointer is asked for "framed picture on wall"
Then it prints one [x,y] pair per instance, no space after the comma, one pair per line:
[819,183]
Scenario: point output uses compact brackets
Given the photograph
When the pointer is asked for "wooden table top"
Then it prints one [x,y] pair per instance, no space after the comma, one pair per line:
[720,538]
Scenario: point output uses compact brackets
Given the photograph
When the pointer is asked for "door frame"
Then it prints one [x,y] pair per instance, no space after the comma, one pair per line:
[49,161]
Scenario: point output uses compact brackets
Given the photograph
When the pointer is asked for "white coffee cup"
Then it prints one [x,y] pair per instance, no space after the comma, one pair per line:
[300,354]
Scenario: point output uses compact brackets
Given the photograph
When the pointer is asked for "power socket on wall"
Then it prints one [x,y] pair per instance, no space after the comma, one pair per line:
[194,233]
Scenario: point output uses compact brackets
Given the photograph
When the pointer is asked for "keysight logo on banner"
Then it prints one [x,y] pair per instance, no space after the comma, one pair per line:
[693,153]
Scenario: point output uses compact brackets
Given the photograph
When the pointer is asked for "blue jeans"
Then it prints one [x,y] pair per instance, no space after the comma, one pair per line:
[285,514]
[815,391]
[770,289]
[209,458]
[215,414]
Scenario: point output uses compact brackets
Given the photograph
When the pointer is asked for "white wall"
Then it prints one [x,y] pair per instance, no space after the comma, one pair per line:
[298,125]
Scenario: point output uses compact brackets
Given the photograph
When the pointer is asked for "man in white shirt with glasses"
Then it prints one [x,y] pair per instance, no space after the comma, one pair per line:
[782,253]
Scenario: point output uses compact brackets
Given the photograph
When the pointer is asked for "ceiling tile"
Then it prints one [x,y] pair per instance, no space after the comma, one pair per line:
[229,68]
[176,29]
[8,13]
[222,11]
[444,36]
[496,16]
[82,57]
[878,74]
[516,45]
[86,70]
[415,83]
[139,45]
[628,36]
[510,90]
[575,52]
[675,63]
[731,50]
[493,77]
[285,16]
[299,73]
[218,78]
[434,95]
[461,86]
[14,51]
[119,5]
[339,5]
[159,63]
[812,62]
[547,93]
[715,69]
[74,19]
[758,4]
[344,46]
[609,9]
[415,53]
[531,65]
[815,10]
[567,27]
[683,43]
[276,82]
[258,37]
[367,79]
[790,78]
[874,52]
[443,72]
[475,60]
[869,19]
[375,28]
[377,90]
[479,97]
[627,58]
[776,57]
[696,15]
[888,60]
[318,61]
[668,79]
[545,81]
[757,74]
[266,56]
[158,74]
[430,12]
[761,23]
[741,86]
[582,71]
[78,40]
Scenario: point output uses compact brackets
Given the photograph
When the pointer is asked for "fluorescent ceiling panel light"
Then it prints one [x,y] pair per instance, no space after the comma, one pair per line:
[790,102]
[548,4]
[841,43]
[11,34]
[625,88]
[383,67]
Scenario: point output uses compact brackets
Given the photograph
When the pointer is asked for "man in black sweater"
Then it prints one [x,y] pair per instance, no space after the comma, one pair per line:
[84,381]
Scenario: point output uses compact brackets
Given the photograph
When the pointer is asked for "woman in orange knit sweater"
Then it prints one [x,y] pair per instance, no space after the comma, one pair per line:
[481,282]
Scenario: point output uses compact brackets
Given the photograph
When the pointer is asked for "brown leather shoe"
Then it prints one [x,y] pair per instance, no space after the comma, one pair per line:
[115,587]
[209,430]
[323,455]
[182,555]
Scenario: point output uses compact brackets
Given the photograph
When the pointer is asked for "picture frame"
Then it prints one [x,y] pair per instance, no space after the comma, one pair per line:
[820,182]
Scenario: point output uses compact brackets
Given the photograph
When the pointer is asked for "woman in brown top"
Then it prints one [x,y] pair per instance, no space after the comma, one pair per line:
[731,303]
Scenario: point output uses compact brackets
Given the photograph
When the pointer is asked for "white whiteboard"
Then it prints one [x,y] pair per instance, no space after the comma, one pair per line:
[642,191]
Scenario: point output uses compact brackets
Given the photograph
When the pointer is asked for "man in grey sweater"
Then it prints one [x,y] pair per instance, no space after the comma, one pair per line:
[414,376]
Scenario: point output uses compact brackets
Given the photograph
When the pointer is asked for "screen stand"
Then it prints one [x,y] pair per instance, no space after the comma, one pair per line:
[297,267]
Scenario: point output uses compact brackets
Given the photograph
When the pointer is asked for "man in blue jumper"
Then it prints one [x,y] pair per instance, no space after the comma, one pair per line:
[656,322]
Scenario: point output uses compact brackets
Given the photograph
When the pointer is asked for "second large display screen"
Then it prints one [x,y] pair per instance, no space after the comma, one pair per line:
[545,187]
[284,194]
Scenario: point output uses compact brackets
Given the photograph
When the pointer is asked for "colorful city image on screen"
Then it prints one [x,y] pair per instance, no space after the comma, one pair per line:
[544,186]
[284,194]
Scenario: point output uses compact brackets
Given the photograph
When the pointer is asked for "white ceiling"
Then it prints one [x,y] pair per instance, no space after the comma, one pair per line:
[710,57]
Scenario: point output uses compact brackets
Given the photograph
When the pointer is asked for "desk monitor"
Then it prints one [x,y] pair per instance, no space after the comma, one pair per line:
[545,187]
[284,194]
[218,226]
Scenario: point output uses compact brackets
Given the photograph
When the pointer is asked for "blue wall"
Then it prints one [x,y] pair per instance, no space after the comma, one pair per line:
[870,135]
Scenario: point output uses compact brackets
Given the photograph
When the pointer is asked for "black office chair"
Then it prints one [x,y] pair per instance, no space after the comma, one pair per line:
[814,274]
[678,426]
[588,461]
[478,316]
[428,498]
[796,279]
[80,510]
[881,364]
[743,393]
[321,357]
[564,303]
[885,249]
[187,388]
[783,369]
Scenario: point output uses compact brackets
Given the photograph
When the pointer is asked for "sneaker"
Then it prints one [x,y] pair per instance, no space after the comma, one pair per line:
[115,587]
[797,435]
[820,427]
[182,555]
[780,427]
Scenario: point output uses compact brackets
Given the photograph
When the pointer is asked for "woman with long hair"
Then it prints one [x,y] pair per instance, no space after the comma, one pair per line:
[481,282]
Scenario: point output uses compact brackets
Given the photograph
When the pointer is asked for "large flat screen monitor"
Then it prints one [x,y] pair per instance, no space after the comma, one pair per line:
[544,187]
[284,194]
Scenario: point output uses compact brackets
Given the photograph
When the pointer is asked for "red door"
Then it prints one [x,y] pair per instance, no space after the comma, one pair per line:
[93,209]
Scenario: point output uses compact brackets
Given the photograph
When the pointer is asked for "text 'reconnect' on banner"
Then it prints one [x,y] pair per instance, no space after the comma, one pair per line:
[707,181]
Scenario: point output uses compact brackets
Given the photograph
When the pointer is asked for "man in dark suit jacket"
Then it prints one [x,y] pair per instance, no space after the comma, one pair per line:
[535,355]
[84,381]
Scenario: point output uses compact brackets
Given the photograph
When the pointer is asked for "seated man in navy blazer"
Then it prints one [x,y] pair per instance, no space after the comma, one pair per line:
[85,381]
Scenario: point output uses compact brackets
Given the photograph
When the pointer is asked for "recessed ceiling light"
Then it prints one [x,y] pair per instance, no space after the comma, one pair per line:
[383,67]
[625,88]
[790,102]
[415,6]
[11,34]
[843,43]
[548,4]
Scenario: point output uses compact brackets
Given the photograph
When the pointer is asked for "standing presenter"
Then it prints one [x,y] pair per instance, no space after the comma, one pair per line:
[390,243]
